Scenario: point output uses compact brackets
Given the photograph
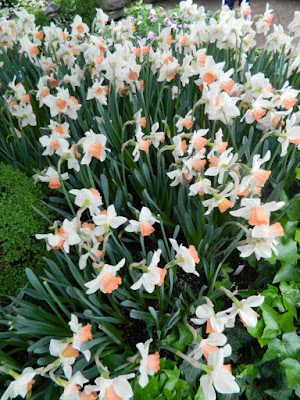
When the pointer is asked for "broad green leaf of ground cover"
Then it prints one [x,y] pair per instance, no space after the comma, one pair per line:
[292,368]
[288,347]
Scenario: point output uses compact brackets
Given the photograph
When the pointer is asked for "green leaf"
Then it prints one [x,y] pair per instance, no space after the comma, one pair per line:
[288,272]
[270,316]
[248,370]
[297,236]
[287,251]
[200,394]
[272,298]
[294,211]
[173,376]
[290,296]
[288,347]
[297,173]
[292,368]
[280,394]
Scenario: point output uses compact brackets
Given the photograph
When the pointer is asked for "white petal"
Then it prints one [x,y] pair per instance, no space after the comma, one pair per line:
[207,387]
[225,382]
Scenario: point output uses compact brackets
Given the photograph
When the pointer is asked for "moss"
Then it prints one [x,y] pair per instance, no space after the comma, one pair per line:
[86,9]
[40,18]
[19,223]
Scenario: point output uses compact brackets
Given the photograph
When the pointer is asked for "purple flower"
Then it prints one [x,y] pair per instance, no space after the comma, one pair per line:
[21,76]
[153,18]
[139,22]
[167,21]
[151,35]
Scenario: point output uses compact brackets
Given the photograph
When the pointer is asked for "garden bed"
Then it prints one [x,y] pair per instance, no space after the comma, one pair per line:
[173,165]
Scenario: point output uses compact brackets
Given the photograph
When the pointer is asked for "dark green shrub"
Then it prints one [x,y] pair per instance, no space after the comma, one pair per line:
[86,9]
[19,223]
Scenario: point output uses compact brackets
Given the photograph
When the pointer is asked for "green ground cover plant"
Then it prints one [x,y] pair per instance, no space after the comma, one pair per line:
[173,165]
[19,223]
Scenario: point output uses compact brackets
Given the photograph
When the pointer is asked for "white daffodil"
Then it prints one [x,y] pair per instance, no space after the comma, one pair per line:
[66,354]
[94,145]
[116,388]
[144,224]
[106,281]
[215,321]
[260,241]
[109,219]
[244,309]
[149,364]
[211,343]
[152,275]
[185,257]
[22,383]
[88,198]
[219,378]
[255,212]
[81,334]
[72,387]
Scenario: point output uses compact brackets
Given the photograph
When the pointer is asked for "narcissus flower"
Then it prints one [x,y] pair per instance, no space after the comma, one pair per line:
[71,387]
[144,224]
[211,343]
[152,276]
[215,321]
[51,175]
[112,389]
[260,241]
[22,383]
[66,355]
[255,212]
[244,309]
[186,258]
[94,145]
[106,281]
[149,364]
[88,198]
[109,219]
[81,335]
[219,378]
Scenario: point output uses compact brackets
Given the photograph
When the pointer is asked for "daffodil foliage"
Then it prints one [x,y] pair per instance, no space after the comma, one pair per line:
[171,160]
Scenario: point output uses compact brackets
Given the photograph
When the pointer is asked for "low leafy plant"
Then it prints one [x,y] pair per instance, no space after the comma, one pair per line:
[19,223]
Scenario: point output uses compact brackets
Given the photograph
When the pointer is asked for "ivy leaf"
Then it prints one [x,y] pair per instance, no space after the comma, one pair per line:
[292,368]
[180,338]
[289,229]
[248,370]
[287,251]
[286,322]
[288,272]
[272,298]
[171,382]
[270,316]
[279,394]
[200,394]
[290,296]
[294,212]
[288,347]
[297,236]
